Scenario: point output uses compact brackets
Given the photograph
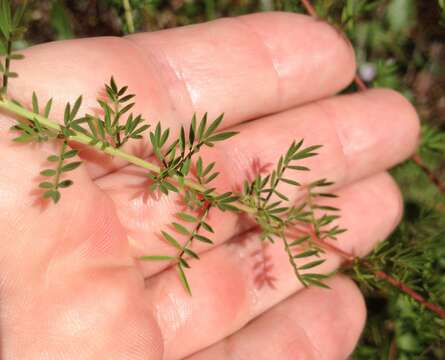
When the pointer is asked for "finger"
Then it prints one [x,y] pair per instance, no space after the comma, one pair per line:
[313,324]
[227,283]
[69,287]
[251,65]
[244,67]
[362,134]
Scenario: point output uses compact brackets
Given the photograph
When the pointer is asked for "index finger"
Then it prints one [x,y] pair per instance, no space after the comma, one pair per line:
[245,67]
[251,65]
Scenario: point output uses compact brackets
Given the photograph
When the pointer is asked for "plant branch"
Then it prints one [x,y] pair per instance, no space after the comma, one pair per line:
[196,230]
[60,164]
[410,292]
[291,258]
[428,172]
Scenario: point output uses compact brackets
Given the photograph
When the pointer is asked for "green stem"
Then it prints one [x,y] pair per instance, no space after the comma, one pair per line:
[4,89]
[192,152]
[129,16]
[313,220]
[274,187]
[117,138]
[291,258]
[195,231]
[86,140]
[59,164]
[210,7]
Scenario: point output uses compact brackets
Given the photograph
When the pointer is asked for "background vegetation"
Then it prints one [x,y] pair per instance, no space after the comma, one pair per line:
[399,44]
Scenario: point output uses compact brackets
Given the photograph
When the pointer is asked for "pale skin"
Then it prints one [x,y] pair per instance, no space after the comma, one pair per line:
[70,286]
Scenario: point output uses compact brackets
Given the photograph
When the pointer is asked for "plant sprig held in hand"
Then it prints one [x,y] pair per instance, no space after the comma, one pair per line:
[272,210]
[117,125]
[302,227]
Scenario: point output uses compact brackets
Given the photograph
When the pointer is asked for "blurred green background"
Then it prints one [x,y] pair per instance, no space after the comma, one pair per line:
[399,44]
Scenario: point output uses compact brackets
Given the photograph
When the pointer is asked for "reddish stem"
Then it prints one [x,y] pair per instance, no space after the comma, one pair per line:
[309,8]
[360,83]
[393,350]
[434,179]
[410,292]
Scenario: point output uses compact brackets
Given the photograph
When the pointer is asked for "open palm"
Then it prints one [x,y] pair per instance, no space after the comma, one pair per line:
[70,287]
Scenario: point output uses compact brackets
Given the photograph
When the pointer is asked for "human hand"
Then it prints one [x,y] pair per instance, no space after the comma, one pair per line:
[70,287]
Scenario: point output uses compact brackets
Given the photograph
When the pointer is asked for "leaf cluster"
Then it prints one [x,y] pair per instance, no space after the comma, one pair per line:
[52,187]
[117,125]
[278,216]
[184,250]
[10,21]
[175,157]
[34,131]
[54,174]
[432,140]
[176,160]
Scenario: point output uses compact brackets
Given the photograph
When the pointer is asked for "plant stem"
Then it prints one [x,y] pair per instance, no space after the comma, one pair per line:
[129,16]
[310,204]
[210,9]
[434,179]
[274,187]
[84,139]
[410,292]
[4,89]
[291,258]
[59,164]
[196,230]
[360,83]
[392,355]
[309,8]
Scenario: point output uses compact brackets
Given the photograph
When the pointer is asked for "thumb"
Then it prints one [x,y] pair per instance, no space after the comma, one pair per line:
[68,286]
